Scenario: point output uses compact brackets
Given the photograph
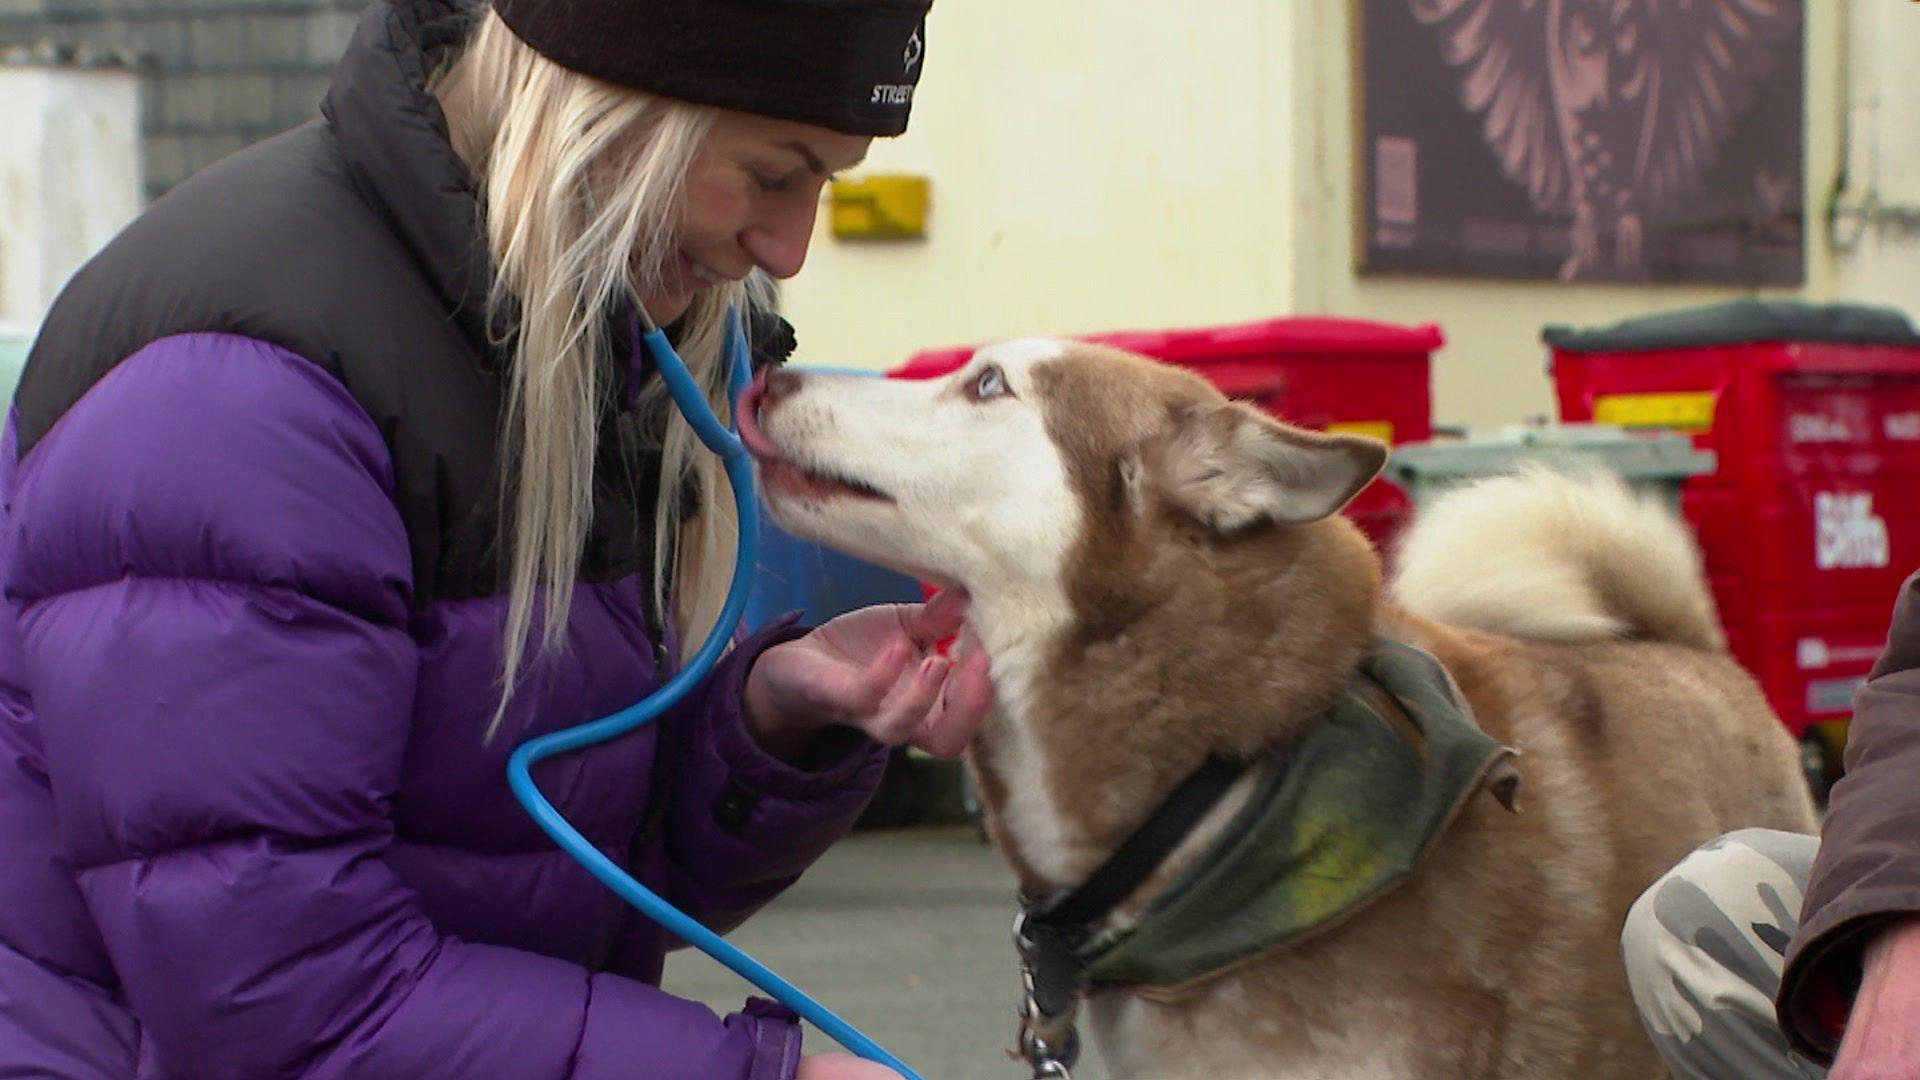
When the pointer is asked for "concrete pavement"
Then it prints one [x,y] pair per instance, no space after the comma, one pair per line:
[905,934]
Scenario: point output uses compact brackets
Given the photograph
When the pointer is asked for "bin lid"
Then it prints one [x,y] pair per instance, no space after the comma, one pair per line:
[1289,335]
[933,363]
[1492,452]
[1742,322]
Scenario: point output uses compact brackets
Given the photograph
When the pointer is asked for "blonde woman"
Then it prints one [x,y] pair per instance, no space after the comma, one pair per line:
[339,474]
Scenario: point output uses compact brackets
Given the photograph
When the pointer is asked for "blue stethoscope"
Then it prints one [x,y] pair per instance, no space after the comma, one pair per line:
[739,465]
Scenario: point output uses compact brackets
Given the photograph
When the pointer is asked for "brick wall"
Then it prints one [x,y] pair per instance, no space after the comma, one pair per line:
[217,74]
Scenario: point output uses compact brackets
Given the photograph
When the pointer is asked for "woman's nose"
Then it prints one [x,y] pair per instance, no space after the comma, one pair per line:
[778,245]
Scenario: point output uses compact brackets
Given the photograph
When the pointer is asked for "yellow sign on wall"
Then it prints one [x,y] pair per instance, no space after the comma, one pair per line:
[885,207]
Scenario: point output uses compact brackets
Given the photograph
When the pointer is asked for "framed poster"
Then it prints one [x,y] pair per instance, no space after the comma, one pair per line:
[1584,140]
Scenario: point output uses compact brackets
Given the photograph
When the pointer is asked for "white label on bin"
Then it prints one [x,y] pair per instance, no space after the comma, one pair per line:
[1818,428]
[1832,695]
[1848,535]
[1810,653]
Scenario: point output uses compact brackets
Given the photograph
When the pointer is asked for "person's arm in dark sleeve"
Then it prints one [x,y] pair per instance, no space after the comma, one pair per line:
[1866,878]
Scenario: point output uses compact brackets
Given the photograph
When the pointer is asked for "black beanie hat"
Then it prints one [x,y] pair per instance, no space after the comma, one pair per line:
[847,65]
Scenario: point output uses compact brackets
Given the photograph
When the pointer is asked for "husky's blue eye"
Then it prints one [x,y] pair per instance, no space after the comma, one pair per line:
[989,383]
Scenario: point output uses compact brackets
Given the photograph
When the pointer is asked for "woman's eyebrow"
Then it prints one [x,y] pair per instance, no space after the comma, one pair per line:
[814,164]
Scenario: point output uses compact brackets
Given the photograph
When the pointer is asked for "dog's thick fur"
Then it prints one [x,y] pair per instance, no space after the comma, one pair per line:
[1159,574]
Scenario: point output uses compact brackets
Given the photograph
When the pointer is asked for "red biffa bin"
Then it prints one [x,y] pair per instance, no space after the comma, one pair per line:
[1343,375]
[1813,518]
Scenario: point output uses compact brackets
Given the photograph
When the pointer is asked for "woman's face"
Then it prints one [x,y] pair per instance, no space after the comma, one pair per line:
[750,201]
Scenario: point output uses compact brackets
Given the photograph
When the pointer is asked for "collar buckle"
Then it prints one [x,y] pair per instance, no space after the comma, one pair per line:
[1049,934]
[1048,1041]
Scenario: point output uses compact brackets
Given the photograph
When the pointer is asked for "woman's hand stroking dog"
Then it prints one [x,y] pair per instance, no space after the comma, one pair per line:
[874,670]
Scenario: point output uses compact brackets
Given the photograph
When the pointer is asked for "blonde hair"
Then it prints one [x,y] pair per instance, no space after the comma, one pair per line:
[580,184]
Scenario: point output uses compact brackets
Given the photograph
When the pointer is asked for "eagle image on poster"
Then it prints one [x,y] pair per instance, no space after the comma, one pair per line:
[1584,139]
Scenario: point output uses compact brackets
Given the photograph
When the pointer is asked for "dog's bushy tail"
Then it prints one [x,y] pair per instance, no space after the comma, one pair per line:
[1555,556]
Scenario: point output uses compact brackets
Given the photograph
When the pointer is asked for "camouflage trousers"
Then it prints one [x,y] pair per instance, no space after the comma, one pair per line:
[1704,947]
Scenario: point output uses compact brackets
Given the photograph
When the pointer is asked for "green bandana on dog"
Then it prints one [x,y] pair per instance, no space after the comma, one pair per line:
[1355,804]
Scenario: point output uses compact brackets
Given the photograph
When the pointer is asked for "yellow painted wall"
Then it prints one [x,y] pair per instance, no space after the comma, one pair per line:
[1878,219]
[1098,169]
[1094,165]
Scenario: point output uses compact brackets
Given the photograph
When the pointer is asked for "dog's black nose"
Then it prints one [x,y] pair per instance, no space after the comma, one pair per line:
[780,383]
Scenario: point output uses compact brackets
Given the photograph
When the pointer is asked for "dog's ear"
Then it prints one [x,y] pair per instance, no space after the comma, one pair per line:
[1230,466]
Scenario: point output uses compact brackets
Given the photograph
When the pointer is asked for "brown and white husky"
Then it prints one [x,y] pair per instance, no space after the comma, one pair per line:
[1159,574]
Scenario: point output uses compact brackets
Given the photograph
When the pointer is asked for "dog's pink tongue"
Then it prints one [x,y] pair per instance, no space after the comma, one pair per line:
[747,419]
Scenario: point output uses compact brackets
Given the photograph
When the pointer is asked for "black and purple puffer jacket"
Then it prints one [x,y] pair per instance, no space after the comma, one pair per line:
[248,823]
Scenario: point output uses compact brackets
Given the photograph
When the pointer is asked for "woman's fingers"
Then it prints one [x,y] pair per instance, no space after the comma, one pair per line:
[906,705]
[936,620]
[966,698]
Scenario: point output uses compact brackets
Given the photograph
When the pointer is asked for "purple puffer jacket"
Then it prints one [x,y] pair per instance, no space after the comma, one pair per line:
[248,824]
[249,827]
